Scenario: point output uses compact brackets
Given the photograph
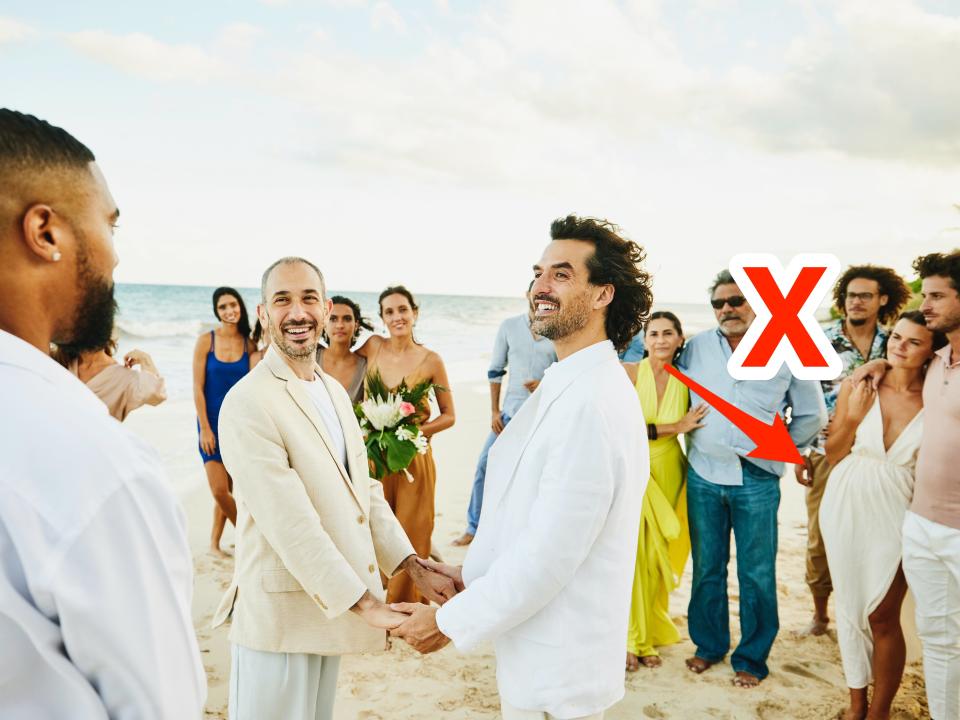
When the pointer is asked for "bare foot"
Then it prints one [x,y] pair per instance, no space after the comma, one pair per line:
[852,713]
[633,662]
[817,627]
[745,680]
[464,539]
[651,661]
[698,664]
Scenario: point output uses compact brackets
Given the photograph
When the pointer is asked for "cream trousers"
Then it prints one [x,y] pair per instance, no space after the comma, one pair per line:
[931,562]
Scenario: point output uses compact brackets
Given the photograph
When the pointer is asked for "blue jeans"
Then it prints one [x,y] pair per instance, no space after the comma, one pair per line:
[476,496]
[751,511]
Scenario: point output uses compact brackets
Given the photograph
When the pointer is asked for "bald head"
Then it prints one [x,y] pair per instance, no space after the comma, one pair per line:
[289,260]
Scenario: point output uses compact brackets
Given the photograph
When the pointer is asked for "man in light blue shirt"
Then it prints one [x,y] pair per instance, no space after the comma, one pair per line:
[635,351]
[726,490]
[527,355]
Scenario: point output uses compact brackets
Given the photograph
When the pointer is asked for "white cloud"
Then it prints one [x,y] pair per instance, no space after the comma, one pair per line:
[877,82]
[13,30]
[239,37]
[143,56]
[384,15]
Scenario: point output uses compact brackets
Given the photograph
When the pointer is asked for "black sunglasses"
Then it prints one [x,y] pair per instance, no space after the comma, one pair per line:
[735,301]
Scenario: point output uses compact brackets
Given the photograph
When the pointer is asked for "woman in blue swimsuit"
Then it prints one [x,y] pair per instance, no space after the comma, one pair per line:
[220,358]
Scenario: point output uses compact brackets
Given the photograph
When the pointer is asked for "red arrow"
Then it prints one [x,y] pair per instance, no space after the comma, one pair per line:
[773,441]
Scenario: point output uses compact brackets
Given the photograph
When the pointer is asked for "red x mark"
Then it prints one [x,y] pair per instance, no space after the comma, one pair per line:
[784,321]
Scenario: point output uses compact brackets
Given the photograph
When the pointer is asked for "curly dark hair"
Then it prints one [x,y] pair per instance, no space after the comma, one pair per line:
[362,322]
[941,264]
[889,282]
[616,261]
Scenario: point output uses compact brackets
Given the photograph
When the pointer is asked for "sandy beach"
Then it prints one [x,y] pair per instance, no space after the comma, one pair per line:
[806,680]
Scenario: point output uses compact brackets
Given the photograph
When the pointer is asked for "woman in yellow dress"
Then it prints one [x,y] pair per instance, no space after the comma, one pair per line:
[664,541]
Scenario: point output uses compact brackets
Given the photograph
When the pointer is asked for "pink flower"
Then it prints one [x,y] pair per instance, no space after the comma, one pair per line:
[407,409]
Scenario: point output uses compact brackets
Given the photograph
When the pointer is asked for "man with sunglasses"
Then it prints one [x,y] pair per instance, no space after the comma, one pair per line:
[727,491]
[866,297]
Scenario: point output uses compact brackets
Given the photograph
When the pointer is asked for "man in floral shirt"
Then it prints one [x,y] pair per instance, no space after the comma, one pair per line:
[867,297]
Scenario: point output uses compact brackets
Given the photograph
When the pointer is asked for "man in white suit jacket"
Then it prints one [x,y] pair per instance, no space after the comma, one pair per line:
[549,573]
[313,529]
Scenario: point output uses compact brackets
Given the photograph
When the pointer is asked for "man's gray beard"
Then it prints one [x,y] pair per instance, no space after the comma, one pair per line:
[857,322]
[291,351]
[566,322]
[726,332]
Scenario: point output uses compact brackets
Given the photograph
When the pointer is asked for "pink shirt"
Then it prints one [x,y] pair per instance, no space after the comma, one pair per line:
[936,495]
[124,389]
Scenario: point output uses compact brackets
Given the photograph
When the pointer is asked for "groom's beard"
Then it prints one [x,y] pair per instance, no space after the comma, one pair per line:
[291,350]
[569,318]
[94,316]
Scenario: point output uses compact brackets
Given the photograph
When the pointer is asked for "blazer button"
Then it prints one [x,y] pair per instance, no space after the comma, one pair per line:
[371,568]
[360,519]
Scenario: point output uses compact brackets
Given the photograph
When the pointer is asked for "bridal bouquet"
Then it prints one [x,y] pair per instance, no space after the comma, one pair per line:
[386,417]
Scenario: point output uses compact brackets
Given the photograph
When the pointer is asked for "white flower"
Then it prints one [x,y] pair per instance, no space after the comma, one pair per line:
[403,433]
[382,413]
[421,442]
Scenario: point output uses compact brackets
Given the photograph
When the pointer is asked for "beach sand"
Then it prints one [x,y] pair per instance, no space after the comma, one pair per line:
[806,680]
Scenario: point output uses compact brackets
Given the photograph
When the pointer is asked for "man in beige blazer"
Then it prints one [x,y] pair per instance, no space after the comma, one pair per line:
[313,529]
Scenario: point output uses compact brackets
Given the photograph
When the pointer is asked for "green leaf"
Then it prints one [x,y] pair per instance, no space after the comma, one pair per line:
[377,456]
[400,453]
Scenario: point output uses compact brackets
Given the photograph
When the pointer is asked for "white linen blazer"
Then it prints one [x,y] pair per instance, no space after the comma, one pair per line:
[550,570]
[312,535]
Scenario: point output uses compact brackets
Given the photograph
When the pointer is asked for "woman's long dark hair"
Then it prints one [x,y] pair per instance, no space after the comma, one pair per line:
[244,323]
[362,322]
[665,315]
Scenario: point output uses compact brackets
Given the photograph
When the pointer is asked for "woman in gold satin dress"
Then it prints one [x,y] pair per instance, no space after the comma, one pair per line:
[664,542]
[401,358]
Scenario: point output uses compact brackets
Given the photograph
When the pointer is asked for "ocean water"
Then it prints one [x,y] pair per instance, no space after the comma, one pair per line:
[165,321]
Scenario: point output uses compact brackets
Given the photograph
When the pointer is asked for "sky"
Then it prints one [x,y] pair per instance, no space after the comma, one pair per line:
[431,142]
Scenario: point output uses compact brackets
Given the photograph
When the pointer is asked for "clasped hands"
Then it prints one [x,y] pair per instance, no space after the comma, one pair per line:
[417,622]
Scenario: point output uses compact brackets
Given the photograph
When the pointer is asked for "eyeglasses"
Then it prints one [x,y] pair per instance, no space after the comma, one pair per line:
[734,301]
[866,297]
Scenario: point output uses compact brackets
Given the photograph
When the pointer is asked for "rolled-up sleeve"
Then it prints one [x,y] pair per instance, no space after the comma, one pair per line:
[498,361]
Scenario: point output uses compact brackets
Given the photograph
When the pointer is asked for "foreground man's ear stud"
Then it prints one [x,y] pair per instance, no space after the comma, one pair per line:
[57,256]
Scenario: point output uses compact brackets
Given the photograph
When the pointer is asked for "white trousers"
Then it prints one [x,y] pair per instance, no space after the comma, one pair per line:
[511,713]
[931,562]
[292,686]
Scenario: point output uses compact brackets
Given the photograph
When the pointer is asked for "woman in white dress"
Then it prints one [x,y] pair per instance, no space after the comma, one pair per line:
[872,444]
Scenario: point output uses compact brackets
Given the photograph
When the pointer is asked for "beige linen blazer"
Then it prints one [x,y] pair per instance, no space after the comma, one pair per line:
[312,535]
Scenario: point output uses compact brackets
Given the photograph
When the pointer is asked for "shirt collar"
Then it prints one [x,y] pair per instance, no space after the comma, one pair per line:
[944,354]
[19,353]
[560,373]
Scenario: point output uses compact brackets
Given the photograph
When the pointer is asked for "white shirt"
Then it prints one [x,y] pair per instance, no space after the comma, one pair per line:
[321,400]
[550,570]
[95,571]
